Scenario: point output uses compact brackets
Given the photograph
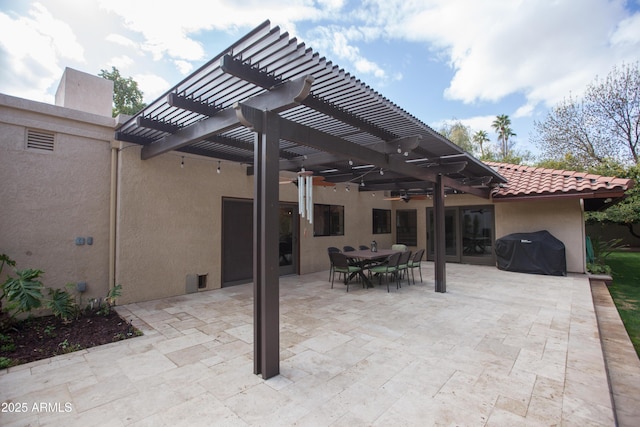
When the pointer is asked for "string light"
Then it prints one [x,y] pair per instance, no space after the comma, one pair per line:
[218,170]
[182,163]
[362,182]
[381,171]
[350,162]
[348,189]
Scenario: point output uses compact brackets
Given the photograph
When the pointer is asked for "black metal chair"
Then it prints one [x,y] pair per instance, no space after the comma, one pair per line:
[364,247]
[389,267]
[348,249]
[331,249]
[415,263]
[403,266]
[341,265]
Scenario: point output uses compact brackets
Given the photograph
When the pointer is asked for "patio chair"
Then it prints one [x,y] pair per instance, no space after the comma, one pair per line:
[348,249]
[363,247]
[399,247]
[389,267]
[403,266]
[329,250]
[415,263]
[341,266]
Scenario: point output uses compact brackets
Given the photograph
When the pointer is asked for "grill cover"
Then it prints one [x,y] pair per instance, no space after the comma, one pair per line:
[534,253]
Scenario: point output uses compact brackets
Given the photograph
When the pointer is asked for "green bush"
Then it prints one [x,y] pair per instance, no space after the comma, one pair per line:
[24,292]
[601,251]
[62,304]
[103,306]
[5,362]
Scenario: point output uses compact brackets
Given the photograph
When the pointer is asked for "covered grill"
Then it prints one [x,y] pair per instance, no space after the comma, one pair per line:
[534,253]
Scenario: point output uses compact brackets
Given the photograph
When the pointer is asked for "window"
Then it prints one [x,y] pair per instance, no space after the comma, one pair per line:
[407,227]
[381,221]
[328,220]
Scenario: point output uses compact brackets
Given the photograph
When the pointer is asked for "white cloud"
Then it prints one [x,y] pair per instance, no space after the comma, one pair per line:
[32,47]
[628,31]
[171,28]
[122,63]
[184,67]
[122,40]
[338,43]
[151,85]
[543,50]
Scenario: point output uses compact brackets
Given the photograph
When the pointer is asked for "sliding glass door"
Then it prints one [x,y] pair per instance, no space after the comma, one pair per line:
[469,234]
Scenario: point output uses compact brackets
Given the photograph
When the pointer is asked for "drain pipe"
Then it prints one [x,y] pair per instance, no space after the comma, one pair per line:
[112,214]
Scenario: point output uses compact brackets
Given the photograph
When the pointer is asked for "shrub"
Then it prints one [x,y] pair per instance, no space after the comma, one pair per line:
[62,304]
[601,250]
[24,292]
[103,305]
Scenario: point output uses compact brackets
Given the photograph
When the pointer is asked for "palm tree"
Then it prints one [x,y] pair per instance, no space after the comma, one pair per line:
[502,125]
[480,138]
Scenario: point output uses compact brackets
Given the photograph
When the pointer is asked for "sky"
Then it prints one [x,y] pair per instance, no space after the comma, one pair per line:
[440,60]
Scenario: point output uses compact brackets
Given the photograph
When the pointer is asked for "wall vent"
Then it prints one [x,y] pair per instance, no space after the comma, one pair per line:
[191,285]
[40,140]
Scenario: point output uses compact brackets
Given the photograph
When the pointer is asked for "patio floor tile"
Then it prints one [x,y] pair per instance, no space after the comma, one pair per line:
[497,349]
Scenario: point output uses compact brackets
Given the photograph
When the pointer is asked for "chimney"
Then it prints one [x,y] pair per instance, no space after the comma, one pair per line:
[85,92]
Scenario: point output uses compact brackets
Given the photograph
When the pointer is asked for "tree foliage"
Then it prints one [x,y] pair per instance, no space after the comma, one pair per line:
[127,97]
[502,126]
[459,134]
[605,124]
[627,212]
[481,138]
[599,134]
[478,143]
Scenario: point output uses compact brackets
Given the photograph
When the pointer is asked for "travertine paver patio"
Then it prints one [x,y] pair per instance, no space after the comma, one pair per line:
[498,349]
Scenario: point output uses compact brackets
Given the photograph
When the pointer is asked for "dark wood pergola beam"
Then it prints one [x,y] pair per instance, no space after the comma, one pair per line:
[307,136]
[283,97]
[294,164]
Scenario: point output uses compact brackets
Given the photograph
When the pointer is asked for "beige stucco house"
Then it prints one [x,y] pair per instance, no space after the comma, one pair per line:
[84,207]
[162,203]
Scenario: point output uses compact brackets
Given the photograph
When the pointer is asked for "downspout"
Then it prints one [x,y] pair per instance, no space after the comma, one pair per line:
[112,214]
[584,238]
[116,147]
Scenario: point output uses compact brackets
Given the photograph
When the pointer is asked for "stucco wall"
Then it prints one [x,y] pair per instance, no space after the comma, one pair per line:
[169,221]
[50,198]
[563,218]
[168,218]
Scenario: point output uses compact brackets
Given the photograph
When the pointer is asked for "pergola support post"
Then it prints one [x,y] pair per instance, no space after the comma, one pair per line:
[266,274]
[439,238]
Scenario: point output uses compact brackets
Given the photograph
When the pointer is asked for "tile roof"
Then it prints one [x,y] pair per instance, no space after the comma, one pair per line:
[539,183]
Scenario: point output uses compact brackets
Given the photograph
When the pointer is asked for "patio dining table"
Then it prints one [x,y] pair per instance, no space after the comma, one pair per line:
[366,256]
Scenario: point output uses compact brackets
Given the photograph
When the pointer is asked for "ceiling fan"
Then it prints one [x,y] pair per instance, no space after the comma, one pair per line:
[317,180]
[406,197]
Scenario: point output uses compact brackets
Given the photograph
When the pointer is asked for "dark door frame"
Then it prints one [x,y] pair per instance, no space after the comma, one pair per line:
[459,256]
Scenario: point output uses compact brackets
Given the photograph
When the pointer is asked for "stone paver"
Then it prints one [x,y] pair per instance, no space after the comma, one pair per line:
[497,349]
[622,360]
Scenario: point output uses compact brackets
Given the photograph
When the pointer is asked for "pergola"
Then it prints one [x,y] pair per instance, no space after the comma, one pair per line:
[273,104]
